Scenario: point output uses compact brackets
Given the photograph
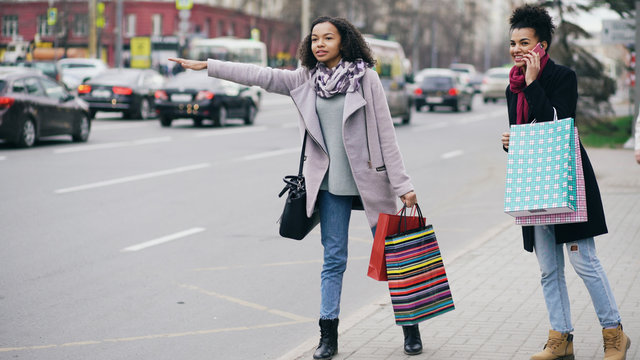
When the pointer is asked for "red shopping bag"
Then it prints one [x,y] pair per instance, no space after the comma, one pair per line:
[388,224]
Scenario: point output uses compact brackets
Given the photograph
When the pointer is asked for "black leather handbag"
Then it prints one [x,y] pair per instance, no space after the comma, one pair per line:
[294,223]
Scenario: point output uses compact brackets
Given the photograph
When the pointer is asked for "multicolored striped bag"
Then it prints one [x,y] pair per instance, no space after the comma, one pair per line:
[417,279]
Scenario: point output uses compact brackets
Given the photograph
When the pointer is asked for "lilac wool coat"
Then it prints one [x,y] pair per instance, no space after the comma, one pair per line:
[368,134]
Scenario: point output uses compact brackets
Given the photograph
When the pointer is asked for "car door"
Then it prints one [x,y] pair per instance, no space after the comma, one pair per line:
[44,107]
[61,114]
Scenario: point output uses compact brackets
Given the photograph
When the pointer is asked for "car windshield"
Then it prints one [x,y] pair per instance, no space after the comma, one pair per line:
[436,83]
[193,80]
[117,77]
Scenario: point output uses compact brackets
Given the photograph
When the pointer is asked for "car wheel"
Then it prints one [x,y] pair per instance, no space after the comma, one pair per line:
[92,113]
[27,134]
[82,129]
[165,121]
[221,118]
[250,114]
[144,111]
[197,122]
[486,100]
[418,108]
[469,106]
[495,100]
[456,107]
[431,108]
[406,119]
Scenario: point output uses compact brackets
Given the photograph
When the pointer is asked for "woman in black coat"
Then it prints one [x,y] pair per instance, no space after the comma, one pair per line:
[537,87]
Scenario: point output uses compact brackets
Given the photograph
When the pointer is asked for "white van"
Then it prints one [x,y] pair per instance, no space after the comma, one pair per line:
[16,51]
[230,48]
[393,67]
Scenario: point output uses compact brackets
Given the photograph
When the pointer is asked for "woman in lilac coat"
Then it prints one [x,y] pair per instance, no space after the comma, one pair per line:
[352,156]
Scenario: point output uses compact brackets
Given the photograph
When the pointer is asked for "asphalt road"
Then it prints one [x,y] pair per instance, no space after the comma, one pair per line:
[162,243]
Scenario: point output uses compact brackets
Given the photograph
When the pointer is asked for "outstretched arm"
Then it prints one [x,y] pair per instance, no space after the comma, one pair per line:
[190,64]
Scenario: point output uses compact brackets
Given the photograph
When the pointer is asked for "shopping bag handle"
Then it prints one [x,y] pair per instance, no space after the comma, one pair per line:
[403,216]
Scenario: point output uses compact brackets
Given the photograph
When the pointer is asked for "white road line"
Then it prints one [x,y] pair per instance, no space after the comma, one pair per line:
[231,131]
[270,154]
[440,125]
[452,154]
[163,240]
[81,148]
[103,126]
[133,178]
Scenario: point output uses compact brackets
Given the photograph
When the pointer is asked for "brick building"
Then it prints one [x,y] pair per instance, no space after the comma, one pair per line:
[27,20]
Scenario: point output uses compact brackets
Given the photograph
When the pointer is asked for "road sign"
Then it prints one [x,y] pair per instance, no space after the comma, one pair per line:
[140,48]
[184,4]
[52,16]
[619,31]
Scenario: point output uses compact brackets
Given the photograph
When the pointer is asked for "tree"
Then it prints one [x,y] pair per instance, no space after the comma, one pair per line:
[594,86]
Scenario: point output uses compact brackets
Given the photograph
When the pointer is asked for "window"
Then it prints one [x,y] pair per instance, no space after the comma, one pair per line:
[130,25]
[18,87]
[81,25]
[53,90]
[220,28]
[43,28]
[156,24]
[33,86]
[10,25]
[206,31]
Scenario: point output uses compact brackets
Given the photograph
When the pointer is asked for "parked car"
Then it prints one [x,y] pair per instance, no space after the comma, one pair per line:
[75,71]
[48,68]
[130,91]
[194,95]
[34,106]
[442,87]
[495,84]
[393,69]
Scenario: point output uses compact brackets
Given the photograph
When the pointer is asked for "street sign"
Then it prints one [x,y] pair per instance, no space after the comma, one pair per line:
[140,48]
[619,31]
[184,4]
[52,16]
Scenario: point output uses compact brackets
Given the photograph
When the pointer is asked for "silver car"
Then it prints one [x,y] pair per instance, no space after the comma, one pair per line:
[495,83]
[74,72]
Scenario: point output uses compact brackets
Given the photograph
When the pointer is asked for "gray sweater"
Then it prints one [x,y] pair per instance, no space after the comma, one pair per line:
[338,180]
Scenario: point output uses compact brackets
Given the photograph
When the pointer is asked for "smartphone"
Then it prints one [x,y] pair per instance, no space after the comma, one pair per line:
[539,50]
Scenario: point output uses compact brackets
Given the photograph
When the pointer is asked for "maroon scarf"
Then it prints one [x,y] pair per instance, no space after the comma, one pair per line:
[517,83]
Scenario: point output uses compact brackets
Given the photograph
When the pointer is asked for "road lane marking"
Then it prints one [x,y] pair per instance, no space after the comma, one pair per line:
[133,178]
[248,304]
[267,154]
[452,154]
[103,126]
[440,125]
[154,336]
[283,263]
[231,131]
[80,148]
[163,240]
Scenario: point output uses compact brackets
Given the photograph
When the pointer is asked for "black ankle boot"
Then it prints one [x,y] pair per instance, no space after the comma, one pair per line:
[412,341]
[328,345]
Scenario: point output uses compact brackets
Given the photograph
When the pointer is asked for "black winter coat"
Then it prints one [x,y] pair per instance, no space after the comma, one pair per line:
[557,87]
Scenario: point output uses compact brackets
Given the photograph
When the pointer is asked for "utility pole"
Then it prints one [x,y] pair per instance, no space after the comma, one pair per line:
[118,33]
[92,29]
[415,52]
[304,19]
[636,96]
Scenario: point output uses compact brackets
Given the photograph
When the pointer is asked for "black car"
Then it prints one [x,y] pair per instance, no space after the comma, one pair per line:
[442,87]
[33,106]
[129,91]
[195,95]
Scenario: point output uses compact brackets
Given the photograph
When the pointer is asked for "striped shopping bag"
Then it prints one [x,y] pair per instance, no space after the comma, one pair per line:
[417,279]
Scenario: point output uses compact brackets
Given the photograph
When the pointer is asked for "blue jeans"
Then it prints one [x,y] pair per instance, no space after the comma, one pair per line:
[335,213]
[582,255]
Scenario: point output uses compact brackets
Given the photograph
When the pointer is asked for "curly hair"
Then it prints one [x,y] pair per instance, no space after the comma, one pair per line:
[352,43]
[535,17]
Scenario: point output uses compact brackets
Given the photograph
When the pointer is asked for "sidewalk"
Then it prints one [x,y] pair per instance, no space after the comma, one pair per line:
[500,312]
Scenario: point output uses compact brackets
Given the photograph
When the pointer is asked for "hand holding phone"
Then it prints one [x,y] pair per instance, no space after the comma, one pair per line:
[538,49]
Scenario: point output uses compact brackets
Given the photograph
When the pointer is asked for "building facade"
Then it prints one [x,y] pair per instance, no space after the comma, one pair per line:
[27,20]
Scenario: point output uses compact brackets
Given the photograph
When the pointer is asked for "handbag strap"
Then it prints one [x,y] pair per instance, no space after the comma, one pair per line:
[304,145]
[403,217]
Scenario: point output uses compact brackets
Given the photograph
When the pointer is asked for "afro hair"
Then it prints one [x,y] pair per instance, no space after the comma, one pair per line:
[535,17]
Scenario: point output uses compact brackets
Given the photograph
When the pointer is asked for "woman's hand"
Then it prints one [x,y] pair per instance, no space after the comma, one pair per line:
[190,64]
[409,199]
[505,139]
[532,59]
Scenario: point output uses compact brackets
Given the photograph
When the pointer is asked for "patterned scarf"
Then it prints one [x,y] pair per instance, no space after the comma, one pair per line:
[345,77]
[517,83]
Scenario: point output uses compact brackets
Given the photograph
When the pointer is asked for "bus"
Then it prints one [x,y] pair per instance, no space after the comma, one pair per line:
[393,68]
[229,49]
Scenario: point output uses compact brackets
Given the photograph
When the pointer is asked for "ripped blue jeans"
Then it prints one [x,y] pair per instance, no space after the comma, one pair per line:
[582,255]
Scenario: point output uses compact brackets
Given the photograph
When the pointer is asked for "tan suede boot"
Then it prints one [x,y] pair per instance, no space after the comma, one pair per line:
[616,343]
[558,347]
